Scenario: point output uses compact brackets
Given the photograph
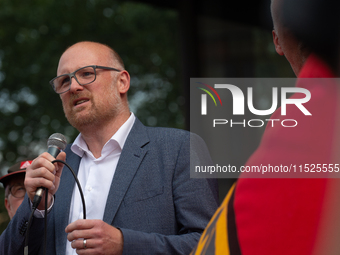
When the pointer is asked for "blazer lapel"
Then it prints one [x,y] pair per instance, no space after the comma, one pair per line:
[63,199]
[131,157]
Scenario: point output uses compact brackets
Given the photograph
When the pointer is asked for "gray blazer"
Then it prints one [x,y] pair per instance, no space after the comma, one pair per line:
[152,199]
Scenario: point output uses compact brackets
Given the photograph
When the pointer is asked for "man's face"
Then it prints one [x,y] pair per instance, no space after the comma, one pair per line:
[97,102]
[16,195]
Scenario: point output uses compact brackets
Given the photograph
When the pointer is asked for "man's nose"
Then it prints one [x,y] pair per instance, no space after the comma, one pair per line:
[74,85]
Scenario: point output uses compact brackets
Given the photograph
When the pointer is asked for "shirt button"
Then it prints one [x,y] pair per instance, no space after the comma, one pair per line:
[89,188]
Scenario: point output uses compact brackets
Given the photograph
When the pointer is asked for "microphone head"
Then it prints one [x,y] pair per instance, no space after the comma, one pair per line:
[57,140]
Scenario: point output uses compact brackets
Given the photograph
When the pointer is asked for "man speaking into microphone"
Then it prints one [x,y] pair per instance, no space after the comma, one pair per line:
[136,180]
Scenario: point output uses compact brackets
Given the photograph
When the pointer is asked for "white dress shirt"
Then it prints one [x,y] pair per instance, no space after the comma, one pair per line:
[95,175]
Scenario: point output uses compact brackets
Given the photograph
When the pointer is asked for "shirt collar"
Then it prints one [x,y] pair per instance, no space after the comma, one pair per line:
[79,145]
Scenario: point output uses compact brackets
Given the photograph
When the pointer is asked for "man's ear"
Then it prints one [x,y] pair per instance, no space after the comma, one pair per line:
[7,205]
[123,82]
[277,43]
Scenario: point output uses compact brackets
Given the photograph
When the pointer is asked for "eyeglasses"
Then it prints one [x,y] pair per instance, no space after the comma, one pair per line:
[17,191]
[83,76]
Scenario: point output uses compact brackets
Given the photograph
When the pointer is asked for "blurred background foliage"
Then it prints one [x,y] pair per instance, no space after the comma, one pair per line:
[34,34]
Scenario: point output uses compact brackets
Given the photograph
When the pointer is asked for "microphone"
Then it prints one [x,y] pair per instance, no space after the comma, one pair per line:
[55,143]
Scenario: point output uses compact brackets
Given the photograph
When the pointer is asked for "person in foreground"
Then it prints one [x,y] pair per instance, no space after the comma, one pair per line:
[14,186]
[136,180]
[289,214]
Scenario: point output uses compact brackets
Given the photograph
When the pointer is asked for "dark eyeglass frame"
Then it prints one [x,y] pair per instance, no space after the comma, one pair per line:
[70,75]
[20,186]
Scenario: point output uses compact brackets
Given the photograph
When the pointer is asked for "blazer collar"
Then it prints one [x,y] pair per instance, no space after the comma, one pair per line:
[132,155]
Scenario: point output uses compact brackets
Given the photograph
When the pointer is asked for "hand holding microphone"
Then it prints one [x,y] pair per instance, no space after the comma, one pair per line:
[42,173]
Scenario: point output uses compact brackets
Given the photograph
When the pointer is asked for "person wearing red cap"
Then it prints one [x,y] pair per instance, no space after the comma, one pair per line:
[14,186]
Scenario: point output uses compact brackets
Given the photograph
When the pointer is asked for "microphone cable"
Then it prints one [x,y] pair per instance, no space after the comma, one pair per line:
[36,201]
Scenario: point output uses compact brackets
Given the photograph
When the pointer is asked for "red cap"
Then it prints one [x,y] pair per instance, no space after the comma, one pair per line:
[17,168]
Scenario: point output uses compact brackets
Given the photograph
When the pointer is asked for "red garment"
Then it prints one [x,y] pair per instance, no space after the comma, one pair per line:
[282,216]
[285,216]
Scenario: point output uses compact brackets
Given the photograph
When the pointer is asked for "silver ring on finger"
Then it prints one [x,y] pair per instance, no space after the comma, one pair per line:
[84,243]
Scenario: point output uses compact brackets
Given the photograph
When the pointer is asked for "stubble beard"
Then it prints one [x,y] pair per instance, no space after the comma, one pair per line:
[79,120]
[94,117]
